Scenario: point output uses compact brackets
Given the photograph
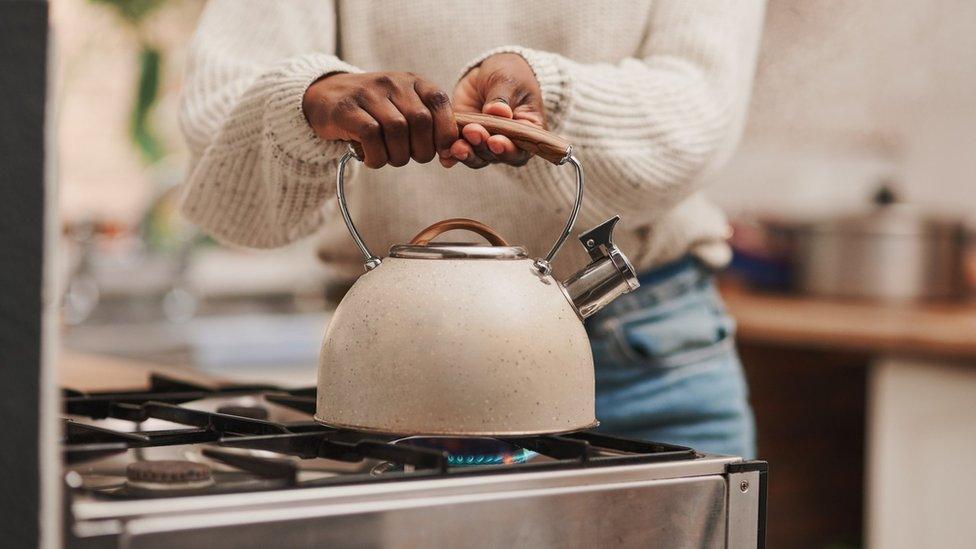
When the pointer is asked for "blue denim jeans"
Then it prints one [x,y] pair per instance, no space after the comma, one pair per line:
[666,365]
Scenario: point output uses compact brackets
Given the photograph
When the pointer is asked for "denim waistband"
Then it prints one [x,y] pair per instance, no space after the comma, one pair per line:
[660,284]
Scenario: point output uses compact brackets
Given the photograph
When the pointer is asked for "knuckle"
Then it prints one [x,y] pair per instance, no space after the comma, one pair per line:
[361,96]
[396,126]
[384,81]
[421,118]
[501,78]
[369,129]
[345,105]
[438,99]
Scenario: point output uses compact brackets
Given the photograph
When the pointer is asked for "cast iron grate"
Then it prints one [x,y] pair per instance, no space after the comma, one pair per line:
[164,400]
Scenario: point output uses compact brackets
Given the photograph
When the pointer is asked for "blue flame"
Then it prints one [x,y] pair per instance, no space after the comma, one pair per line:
[519,456]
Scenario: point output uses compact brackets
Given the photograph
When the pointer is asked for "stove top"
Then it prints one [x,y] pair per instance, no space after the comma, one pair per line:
[245,465]
[258,437]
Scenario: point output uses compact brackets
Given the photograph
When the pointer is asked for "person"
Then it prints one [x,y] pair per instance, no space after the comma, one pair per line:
[651,93]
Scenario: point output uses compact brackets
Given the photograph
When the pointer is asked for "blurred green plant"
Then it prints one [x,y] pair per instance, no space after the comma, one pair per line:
[135,13]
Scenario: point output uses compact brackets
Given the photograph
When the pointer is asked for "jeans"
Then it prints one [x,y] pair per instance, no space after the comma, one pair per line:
[666,365]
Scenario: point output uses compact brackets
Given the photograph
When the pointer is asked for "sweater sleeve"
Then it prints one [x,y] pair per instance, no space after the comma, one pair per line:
[649,128]
[259,175]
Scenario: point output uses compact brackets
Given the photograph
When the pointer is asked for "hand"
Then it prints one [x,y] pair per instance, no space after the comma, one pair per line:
[503,85]
[395,116]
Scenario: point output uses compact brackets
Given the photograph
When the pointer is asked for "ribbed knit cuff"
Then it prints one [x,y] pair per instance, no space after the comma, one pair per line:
[554,80]
[285,120]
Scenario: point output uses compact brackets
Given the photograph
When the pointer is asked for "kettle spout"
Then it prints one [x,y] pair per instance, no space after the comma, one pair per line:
[606,277]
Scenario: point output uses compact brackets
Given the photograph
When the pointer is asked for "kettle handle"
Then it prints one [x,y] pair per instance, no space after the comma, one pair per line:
[424,237]
[546,145]
[537,141]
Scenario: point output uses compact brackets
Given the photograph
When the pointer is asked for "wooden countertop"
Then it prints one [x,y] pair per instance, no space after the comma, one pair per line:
[91,372]
[943,330]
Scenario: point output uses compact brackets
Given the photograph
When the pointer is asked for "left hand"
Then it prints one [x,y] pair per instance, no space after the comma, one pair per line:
[502,85]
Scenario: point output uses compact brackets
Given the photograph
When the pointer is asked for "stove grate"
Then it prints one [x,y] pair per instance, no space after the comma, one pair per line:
[165,397]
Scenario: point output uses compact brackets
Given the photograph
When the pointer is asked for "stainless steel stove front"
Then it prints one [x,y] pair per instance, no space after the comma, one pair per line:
[707,502]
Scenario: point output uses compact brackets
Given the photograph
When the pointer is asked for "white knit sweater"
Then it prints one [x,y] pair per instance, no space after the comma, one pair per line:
[651,93]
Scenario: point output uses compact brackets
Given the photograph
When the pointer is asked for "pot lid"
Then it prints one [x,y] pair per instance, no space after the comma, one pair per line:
[457,250]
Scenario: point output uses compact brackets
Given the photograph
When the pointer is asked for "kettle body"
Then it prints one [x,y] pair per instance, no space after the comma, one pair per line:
[456,346]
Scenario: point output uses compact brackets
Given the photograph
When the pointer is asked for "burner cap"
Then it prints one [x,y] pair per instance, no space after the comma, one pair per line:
[168,471]
[253,412]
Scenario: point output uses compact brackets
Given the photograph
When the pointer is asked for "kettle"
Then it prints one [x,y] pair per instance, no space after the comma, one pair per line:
[478,340]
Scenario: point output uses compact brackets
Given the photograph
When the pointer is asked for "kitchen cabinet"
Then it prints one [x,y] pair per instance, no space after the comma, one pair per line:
[921,448]
[877,397]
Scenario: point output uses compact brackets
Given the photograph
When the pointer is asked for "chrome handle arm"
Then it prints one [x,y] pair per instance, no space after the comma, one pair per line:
[371,261]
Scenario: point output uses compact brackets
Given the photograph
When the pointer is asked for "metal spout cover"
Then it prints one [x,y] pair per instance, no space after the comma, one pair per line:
[606,277]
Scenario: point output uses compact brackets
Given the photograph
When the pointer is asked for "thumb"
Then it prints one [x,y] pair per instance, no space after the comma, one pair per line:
[500,94]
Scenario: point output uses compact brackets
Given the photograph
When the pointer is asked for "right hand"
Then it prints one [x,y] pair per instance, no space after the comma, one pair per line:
[395,116]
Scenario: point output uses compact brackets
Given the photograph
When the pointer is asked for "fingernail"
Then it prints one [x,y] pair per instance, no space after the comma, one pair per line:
[475,139]
[496,148]
[444,153]
[462,155]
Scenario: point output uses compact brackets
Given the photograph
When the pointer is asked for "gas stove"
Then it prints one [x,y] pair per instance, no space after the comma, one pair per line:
[188,465]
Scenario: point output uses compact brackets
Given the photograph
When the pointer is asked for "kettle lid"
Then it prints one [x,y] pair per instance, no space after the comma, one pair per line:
[457,250]
[421,247]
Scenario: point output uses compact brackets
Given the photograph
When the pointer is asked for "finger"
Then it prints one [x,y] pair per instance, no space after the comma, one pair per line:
[501,92]
[396,131]
[474,162]
[477,136]
[420,124]
[439,105]
[527,114]
[498,107]
[506,151]
[446,159]
[362,127]
[461,150]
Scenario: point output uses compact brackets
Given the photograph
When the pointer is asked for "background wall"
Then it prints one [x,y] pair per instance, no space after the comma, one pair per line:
[847,92]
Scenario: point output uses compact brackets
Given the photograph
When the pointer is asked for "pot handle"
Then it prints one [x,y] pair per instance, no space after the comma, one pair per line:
[540,142]
[424,237]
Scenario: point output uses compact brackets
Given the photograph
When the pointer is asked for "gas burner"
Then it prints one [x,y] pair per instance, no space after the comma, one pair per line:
[472,451]
[167,476]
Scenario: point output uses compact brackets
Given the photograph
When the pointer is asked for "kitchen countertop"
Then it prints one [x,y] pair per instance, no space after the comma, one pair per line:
[96,372]
[936,330]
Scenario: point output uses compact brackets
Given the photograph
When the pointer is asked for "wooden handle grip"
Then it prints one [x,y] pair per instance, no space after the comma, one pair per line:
[425,236]
[548,146]
[543,144]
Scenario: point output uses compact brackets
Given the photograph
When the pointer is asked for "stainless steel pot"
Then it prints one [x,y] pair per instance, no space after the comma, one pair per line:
[891,253]
[452,339]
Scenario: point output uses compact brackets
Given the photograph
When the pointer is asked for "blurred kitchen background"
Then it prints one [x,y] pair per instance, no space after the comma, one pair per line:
[852,197]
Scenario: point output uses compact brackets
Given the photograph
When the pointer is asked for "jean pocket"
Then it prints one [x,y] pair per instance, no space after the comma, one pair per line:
[685,331]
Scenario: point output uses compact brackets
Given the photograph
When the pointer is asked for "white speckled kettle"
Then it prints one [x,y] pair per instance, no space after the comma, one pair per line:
[458,339]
